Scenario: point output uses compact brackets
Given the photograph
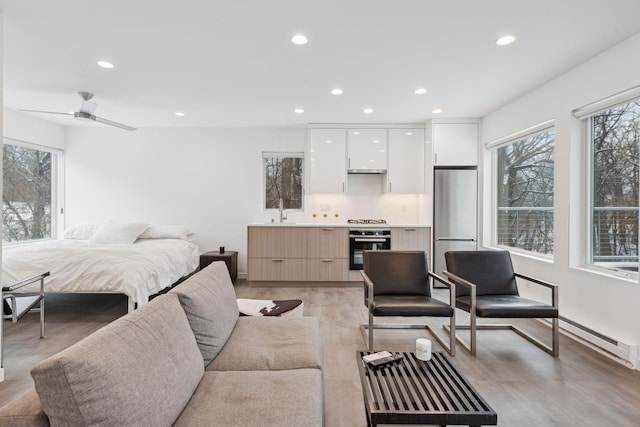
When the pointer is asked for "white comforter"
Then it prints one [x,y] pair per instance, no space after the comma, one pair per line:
[137,270]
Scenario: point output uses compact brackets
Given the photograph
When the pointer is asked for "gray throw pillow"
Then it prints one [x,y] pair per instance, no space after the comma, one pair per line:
[209,300]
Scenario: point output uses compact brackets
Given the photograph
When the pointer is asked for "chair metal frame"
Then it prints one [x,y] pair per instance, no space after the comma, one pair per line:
[368,337]
[32,301]
[553,350]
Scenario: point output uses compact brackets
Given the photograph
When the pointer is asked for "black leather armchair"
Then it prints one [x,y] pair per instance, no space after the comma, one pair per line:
[486,287]
[397,283]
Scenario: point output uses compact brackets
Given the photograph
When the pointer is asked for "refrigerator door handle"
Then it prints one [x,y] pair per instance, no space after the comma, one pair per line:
[455,239]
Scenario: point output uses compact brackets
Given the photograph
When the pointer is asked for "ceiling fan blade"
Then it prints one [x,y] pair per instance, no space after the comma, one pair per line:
[112,123]
[46,112]
[88,107]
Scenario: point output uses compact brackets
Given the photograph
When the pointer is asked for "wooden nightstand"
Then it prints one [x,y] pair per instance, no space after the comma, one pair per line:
[229,257]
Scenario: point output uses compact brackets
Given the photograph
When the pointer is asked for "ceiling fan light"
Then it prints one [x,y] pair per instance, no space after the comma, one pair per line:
[105,64]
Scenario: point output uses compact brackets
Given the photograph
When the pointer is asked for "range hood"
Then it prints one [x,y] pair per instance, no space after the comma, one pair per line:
[369,171]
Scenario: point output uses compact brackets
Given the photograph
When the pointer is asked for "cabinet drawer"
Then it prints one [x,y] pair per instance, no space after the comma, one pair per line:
[277,242]
[276,269]
[328,269]
[328,242]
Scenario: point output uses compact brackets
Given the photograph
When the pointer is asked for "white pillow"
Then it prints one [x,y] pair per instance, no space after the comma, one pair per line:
[114,232]
[167,232]
[80,231]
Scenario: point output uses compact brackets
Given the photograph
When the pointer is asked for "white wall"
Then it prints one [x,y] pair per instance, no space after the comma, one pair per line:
[27,128]
[209,180]
[604,303]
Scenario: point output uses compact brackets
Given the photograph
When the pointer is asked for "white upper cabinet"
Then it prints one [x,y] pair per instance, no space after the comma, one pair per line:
[406,161]
[367,150]
[455,144]
[327,161]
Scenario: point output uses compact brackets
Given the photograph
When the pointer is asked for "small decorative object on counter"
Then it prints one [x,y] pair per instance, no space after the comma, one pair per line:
[221,249]
[324,215]
[336,215]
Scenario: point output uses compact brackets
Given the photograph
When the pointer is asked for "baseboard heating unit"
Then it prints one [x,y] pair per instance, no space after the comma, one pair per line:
[623,353]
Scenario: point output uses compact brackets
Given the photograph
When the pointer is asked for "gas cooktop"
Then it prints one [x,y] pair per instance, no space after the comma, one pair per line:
[366,221]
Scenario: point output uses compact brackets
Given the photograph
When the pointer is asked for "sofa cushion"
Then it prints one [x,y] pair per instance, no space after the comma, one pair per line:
[259,343]
[209,300]
[256,398]
[26,411]
[143,367]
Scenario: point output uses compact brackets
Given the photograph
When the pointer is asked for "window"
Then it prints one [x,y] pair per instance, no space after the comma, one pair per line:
[29,188]
[283,174]
[614,136]
[524,209]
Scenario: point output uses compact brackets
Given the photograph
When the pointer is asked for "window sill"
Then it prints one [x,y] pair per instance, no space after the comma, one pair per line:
[524,254]
[624,276]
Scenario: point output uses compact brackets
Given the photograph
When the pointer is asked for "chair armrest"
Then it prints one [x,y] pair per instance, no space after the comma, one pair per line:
[536,281]
[368,288]
[460,281]
[553,287]
[25,282]
[450,285]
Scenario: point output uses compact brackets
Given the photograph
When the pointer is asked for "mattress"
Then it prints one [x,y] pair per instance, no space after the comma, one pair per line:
[138,270]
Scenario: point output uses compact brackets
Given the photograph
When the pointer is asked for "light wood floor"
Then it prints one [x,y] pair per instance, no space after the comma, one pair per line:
[525,386]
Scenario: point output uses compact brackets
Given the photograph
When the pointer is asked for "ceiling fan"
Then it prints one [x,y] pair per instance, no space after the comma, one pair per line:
[86,112]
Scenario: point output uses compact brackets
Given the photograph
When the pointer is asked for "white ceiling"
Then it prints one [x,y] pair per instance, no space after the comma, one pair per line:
[231,64]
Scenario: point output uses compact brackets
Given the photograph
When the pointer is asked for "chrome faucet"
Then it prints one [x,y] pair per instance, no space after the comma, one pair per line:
[283,213]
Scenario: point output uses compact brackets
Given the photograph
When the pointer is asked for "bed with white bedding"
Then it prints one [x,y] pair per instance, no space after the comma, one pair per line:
[138,270]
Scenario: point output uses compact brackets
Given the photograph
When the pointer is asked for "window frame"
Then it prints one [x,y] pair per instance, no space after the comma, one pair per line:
[57,188]
[586,114]
[282,154]
[493,146]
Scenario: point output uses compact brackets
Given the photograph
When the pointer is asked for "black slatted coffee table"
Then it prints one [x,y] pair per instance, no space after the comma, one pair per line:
[415,392]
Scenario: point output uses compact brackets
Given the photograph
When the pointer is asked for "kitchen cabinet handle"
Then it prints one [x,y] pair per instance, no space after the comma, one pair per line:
[343,187]
[435,158]
[327,229]
[277,260]
[327,260]
[410,229]
[349,165]
[389,187]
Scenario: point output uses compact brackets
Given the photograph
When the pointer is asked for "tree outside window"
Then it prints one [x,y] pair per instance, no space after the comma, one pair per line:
[525,172]
[26,196]
[283,174]
[615,136]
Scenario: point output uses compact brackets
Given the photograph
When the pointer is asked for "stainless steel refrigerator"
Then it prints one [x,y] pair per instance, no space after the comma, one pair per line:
[455,210]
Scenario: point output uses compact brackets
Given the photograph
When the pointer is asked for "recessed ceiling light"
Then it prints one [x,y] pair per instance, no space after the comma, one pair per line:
[105,64]
[299,39]
[367,110]
[505,40]
[409,133]
[336,91]
[375,141]
[179,114]
[298,111]
[328,142]
[356,133]
[420,91]
[437,111]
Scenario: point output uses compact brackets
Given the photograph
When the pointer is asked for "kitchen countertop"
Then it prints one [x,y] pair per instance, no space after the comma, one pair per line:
[334,224]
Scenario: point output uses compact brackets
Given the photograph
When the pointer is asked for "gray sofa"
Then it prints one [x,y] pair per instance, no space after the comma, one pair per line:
[185,359]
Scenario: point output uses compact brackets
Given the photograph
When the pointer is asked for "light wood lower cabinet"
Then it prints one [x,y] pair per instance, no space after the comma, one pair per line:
[277,269]
[328,270]
[315,254]
[319,254]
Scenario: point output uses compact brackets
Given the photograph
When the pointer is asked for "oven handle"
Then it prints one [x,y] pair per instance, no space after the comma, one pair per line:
[370,240]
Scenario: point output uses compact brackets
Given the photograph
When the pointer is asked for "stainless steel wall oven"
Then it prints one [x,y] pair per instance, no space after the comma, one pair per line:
[366,239]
